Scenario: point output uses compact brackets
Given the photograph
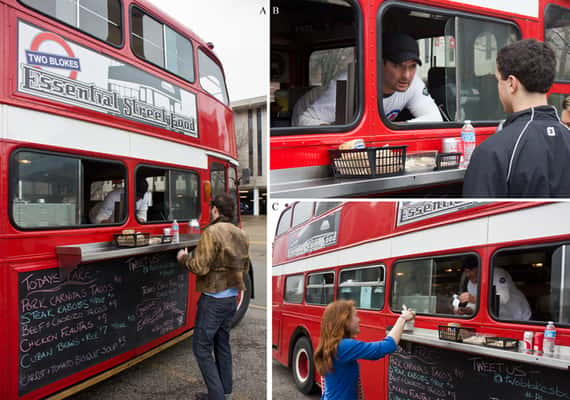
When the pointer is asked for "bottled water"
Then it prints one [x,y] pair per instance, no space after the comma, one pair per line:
[468,140]
[175,232]
[549,339]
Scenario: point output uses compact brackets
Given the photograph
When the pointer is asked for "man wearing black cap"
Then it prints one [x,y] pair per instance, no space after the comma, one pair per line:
[401,88]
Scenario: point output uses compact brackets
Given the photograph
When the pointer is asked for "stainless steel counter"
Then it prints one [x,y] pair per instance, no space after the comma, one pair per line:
[72,255]
[310,183]
[430,337]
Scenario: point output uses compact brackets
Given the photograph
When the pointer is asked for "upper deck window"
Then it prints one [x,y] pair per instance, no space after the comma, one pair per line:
[284,221]
[458,62]
[428,284]
[557,36]
[98,18]
[212,77]
[302,212]
[157,43]
[323,206]
[315,67]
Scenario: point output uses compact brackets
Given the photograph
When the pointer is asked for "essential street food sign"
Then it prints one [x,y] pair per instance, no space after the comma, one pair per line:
[53,68]
[413,211]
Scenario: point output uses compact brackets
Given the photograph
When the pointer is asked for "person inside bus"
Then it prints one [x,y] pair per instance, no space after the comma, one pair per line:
[513,304]
[402,88]
[530,156]
[104,211]
[338,352]
[565,116]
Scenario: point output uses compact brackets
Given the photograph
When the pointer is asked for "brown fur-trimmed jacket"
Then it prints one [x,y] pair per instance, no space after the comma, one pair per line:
[220,258]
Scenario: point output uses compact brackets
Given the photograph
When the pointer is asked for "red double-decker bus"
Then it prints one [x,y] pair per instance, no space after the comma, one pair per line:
[383,255]
[114,119]
[329,54]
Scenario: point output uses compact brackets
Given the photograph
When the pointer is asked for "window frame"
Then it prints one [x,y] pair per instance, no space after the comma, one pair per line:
[436,10]
[323,286]
[380,266]
[567,10]
[158,20]
[359,109]
[337,204]
[432,257]
[202,50]
[497,252]
[168,170]
[81,194]
[290,211]
[285,300]
[121,26]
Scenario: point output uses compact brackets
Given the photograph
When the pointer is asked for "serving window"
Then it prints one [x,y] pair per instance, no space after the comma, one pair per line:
[170,194]
[49,191]
[458,53]
[557,36]
[160,45]
[532,283]
[427,285]
[98,18]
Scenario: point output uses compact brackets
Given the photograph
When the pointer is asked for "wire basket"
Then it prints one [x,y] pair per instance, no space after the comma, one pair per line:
[368,163]
[131,239]
[501,342]
[455,333]
[447,161]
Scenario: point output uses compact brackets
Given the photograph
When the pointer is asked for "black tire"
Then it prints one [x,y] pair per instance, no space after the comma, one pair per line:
[303,365]
[243,300]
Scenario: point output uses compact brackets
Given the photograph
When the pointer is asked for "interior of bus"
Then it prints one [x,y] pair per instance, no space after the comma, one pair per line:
[315,41]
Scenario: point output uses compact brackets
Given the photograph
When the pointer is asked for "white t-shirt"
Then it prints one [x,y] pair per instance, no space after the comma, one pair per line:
[105,210]
[318,105]
[142,206]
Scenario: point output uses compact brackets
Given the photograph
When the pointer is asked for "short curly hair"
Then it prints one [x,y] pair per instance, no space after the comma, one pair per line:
[532,62]
[225,205]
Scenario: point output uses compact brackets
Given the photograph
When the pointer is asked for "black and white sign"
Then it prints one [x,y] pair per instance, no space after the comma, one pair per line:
[314,236]
[413,211]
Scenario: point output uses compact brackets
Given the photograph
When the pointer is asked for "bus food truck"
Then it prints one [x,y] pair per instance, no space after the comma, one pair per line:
[333,48]
[383,255]
[102,99]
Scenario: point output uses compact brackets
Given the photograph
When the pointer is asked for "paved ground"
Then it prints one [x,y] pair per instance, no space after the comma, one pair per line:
[283,386]
[174,374]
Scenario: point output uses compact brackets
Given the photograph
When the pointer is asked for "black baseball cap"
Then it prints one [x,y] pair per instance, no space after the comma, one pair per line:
[399,47]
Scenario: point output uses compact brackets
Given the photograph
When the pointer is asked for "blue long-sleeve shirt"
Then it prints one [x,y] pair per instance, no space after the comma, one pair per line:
[341,384]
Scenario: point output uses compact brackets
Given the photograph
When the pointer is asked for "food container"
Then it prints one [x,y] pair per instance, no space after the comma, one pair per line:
[447,161]
[368,162]
[455,333]
[131,239]
[421,161]
[160,239]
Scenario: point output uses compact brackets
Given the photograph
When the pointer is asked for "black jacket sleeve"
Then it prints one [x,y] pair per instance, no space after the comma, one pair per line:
[485,177]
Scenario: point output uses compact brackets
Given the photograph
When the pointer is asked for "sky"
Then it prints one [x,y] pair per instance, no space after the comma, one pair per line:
[239,31]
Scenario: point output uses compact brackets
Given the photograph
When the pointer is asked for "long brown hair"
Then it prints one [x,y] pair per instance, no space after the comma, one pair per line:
[334,327]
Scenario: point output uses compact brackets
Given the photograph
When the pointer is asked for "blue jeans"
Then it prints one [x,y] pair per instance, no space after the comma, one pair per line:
[211,343]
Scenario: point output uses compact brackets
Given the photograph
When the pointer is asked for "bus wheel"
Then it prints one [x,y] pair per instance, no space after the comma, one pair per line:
[243,300]
[304,365]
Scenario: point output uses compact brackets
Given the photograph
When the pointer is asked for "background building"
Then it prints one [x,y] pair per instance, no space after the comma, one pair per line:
[250,116]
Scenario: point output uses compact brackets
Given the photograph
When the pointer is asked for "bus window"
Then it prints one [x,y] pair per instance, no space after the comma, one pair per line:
[320,288]
[540,274]
[212,78]
[557,36]
[101,18]
[160,45]
[323,206]
[562,104]
[284,221]
[294,286]
[46,190]
[302,212]
[174,194]
[314,63]
[218,179]
[427,285]
[458,61]
[365,286]
[233,191]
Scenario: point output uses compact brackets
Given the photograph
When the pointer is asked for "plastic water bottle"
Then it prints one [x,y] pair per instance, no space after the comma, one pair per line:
[175,232]
[468,140]
[549,339]
[455,303]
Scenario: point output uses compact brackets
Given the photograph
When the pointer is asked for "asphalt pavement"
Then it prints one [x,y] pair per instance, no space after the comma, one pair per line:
[174,374]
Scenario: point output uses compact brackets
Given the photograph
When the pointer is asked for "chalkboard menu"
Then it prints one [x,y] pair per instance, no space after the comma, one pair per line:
[101,310]
[419,372]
